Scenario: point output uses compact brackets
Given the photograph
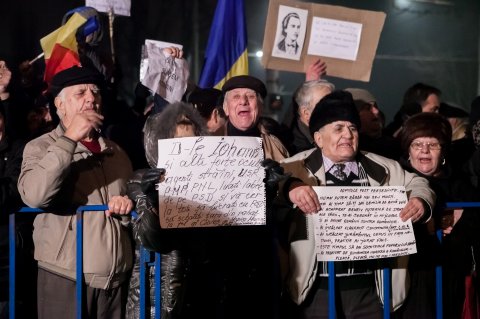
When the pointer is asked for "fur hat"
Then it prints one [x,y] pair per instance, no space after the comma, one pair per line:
[245,81]
[163,125]
[336,106]
[73,76]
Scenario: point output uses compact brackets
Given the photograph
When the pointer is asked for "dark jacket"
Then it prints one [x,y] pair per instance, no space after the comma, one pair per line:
[10,163]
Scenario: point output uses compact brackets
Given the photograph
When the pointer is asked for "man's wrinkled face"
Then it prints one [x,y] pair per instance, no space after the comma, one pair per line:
[242,107]
[77,99]
[338,141]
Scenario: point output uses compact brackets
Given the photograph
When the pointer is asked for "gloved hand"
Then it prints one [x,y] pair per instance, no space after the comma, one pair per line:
[146,228]
[150,178]
[274,175]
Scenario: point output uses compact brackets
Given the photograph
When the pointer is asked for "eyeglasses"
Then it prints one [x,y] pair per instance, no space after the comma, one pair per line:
[431,146]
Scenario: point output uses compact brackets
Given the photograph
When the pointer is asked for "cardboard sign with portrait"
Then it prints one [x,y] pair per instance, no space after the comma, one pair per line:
[298,33]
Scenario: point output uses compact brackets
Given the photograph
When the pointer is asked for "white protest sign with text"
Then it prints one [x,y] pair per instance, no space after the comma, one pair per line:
[335,38]
[165,75]
[358,223]
[211,181]
[149,43]
[119,7]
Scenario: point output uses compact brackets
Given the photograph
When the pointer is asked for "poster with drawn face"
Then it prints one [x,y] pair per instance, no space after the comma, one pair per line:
[290,34]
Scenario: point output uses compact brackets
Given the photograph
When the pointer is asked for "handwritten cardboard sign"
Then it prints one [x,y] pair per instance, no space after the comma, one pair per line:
[345,38]
[211,181]
[357,223]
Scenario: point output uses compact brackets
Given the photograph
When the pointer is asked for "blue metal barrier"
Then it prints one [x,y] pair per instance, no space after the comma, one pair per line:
[79,254]
[12,258]
[145,260]
[387,277]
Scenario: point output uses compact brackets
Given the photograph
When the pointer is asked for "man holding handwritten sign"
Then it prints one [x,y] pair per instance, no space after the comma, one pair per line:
[336,161]
[246,252]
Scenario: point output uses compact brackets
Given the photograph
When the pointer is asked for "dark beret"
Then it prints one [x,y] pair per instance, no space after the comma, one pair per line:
[245,81]
[450,111]
[73,76]
[336,106]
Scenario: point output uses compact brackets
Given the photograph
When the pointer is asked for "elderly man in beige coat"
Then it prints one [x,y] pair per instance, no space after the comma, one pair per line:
[71,166]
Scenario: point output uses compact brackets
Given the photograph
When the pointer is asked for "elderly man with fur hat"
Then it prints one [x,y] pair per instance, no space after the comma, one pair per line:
[70,166]
[337,161]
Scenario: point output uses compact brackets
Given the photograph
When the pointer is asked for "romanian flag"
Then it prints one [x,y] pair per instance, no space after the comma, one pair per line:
[226,54]
[60,47]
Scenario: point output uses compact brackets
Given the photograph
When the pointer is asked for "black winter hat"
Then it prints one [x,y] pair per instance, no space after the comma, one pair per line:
[245,81]
[205,100]
[450,111]
[336,106]
[73,76]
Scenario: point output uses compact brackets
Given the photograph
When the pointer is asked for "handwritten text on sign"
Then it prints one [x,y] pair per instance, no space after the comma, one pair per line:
[356,223]
[335,38]
[211,181]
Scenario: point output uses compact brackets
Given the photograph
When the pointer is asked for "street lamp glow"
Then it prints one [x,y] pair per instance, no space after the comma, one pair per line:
[259,54]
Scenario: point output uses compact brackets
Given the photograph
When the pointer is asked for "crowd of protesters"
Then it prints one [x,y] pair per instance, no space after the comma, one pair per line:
[70,142]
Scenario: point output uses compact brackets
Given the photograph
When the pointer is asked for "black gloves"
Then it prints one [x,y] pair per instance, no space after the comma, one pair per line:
[274,175]
[149,179]
[146,228]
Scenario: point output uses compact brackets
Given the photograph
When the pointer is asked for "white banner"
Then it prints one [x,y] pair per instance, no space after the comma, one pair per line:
[356,223]
[211,181]
[120,7]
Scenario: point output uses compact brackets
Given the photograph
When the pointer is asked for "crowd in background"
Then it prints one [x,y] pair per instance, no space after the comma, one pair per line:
[433,139]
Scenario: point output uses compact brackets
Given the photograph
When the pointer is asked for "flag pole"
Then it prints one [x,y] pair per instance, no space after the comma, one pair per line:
[111,17]
[36,58]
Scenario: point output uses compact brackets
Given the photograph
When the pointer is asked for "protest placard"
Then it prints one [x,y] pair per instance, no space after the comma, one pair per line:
[357,223]
[149,43]
[119,7]
[345,38]
[165,75]
[211,181]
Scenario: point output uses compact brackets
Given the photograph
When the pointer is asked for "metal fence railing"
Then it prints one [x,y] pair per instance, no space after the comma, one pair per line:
[146,261]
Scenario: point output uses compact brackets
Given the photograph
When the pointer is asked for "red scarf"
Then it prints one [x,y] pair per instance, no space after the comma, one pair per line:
[93,146]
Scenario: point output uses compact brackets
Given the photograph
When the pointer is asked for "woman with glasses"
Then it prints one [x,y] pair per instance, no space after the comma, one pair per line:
[425,144]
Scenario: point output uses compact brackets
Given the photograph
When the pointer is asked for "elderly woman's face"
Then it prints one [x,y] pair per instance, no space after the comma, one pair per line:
[426,155]
[338,141]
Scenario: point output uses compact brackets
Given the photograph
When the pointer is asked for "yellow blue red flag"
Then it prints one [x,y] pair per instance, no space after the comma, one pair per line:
[60,47]
[226,54]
